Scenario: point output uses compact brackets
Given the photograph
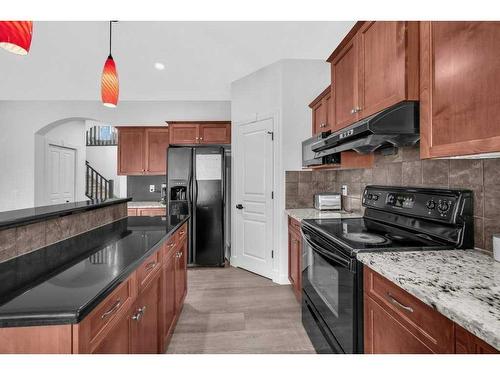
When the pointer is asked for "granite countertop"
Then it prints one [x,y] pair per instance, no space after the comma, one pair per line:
[463,285]
[300,214]
[145,204]
[10,219]
[63,282]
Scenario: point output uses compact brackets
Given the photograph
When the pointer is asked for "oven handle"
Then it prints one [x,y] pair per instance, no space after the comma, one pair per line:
[328,254]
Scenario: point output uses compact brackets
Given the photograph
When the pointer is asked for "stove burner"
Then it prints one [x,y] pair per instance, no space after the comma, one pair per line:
[367,238]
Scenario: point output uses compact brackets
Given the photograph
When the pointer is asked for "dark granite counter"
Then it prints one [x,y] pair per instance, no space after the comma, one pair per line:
[10,219]
[63,282]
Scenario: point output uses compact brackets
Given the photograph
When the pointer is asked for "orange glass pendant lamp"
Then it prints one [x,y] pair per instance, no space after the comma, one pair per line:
[110,87]
[15,36]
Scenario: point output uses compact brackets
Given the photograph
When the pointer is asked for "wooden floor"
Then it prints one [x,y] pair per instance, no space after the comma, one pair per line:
[229,310]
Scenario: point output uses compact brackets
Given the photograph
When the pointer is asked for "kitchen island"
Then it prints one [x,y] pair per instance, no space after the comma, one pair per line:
[103,291]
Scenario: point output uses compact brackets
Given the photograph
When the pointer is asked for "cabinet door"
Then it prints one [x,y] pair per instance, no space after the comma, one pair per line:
[131,151]
[157,141]
[388,65]
[385,335]
[344,78]
[168,311]
[459,90]
[144,320]
[184,133]
[168,294]
[467,343]
[117,339]
[328,105]
[215,133]
[294,255]
[319,117]
[180,275]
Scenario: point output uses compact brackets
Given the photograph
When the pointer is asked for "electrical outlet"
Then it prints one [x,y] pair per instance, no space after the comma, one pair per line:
[344,190]
[151,188]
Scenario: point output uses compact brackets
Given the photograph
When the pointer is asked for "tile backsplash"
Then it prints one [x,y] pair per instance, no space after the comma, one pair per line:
[406,169]
[138,187]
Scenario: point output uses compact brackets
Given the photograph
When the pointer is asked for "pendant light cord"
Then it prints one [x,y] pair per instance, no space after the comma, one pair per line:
[110,36]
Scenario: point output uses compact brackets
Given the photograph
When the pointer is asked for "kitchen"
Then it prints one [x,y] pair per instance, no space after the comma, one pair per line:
[341,200]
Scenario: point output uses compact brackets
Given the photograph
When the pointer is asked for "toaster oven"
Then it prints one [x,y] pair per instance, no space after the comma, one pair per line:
[328,201]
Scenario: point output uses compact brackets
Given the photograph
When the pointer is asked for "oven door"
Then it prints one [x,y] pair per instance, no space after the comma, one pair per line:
[330,285]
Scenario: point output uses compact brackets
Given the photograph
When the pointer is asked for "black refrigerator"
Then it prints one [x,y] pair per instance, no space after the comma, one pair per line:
[196,185]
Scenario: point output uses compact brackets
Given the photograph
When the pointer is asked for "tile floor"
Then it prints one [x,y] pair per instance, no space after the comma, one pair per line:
[229,310]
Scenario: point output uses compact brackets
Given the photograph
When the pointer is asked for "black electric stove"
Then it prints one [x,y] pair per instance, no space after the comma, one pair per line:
[395,219]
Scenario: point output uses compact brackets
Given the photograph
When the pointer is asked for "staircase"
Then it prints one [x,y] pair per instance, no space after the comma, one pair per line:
[96,186]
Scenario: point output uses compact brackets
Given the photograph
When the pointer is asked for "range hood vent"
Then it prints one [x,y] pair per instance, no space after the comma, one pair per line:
[396,126]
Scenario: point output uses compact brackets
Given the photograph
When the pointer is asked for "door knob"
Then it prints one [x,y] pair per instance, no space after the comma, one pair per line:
[239,206]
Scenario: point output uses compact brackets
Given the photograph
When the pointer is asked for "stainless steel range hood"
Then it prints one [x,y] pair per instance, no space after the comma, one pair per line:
[396,126]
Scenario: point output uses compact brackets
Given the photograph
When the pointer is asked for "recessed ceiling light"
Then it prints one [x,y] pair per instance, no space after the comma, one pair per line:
[159,66]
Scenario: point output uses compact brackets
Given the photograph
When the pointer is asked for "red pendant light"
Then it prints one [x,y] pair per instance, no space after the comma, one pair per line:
[109,82]
[15,36]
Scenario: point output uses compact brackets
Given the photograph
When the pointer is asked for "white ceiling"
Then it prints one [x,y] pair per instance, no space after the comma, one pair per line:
[201,58]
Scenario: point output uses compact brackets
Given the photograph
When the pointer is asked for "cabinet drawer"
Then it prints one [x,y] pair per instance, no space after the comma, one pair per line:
[428,325]
[110,308]
[147,269]
[132,211]
[151,211]
[293,224]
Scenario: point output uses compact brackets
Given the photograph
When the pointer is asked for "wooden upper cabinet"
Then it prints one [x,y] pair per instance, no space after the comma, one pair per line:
[142,150]
[215,133]
[184,133]
[388,65]
[459,90]
[321,112]
[344,78]
[201,132]
[157,141]
[375,67]
[131,148]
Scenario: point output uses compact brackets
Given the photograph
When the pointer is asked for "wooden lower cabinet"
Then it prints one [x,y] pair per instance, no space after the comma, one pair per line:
[467,343]
[138,316]
[180,274]
[295,257]
[395,322]
[144,320]
[386,335]
[160,211]
[117,340]
[168,311]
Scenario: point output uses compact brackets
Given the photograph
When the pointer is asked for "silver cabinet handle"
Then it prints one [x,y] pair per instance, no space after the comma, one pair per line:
[353,111]
[140,312]
[150,266]
[112,310]
[394,301]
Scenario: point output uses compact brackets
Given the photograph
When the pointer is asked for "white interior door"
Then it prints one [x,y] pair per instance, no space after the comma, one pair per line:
[254,179]
[60,176]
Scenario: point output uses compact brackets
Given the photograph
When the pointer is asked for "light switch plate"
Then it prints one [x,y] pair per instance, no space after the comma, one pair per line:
[344,190]
[151,188]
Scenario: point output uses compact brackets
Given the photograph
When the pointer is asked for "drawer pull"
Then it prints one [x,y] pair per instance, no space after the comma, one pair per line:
[112,310]
[150,266]
[394,301]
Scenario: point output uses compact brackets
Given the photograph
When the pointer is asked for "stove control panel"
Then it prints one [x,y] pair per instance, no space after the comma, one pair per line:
[437,204]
